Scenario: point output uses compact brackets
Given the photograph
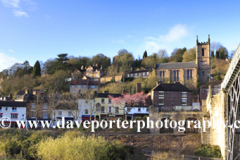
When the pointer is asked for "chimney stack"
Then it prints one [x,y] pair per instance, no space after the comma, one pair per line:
[139,89]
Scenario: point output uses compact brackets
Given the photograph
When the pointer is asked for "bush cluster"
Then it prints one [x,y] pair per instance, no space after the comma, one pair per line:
[59,145]
[207,150]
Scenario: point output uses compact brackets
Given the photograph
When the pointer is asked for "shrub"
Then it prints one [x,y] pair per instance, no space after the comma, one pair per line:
[207,150]
[80,147]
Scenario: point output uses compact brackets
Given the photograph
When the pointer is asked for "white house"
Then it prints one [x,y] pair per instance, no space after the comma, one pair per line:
[136,112]
[86,109]
[14,111]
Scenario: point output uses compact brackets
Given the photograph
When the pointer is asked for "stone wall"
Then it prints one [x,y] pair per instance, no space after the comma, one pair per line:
[216,112]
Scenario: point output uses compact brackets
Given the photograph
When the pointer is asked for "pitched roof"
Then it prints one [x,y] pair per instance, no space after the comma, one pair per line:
[146,70]
[105,95]
[174,65]
[212,82]
[21,92]
[13,103]
[84,82]
[177,86]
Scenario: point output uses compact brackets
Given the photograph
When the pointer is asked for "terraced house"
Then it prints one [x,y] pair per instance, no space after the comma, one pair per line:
[105,109]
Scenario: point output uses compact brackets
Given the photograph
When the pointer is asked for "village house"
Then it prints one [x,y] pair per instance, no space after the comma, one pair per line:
[140,110]
[187,72]
[81,85]
[86,109]
[14,111]
[139,73]
[105,109]
[94,72]
[173,101]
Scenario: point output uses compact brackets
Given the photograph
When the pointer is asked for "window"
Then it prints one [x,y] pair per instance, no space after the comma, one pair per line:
[163,73]
[202,51]
[203,63]
[190,73]
[45,106]
[69,114]
[102,109]
[161,93]
[72,86]
[139,109]
[33,105]
[14,109]
[139,74]
[117,110]
[0,109]
[89,75]
[109,109]
[143,73]
[45,114]
[128,75]
[174,72]
[59,113]
[147,73]
[84,86]
[202,73]
[109,101]
[102,100]
[96,71]
[14,116]
[96,75]
[89,70]
[160,74]
[184,101]
[86,111]
[161,100]
[33,114]
[147,109]
[79,86]
[176,75]
[1,115]
[135,74]
[92,86]
[184,94]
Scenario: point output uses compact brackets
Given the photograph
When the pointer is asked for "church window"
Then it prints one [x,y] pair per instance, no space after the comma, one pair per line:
[202,51]
[203,63]
[203,73]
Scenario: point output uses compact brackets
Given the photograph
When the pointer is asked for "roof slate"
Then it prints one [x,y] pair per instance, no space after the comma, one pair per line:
[174,65]
[172,87]
[105,95]
[212,82]
[84,82]
[13,103]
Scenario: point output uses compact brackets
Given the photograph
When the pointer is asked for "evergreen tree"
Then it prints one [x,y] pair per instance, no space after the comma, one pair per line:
[145,54]
[212,54]
[36,69]
[217,54]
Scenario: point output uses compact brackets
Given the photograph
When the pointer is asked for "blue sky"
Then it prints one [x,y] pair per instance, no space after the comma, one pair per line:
[38,30]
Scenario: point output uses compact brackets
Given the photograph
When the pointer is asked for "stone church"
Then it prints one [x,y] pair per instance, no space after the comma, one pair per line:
[188,72]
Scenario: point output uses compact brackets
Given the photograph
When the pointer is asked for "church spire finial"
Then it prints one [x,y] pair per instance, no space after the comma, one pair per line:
[208,38]
[197,40]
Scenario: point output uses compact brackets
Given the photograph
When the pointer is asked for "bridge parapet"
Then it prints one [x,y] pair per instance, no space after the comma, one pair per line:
[232,70]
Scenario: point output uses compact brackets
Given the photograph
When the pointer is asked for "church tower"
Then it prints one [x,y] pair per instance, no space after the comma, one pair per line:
[203,60]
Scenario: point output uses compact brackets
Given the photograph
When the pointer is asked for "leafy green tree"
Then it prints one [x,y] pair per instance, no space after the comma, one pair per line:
[177,54]
[36,71]
[101,59]
[145,54]
[125,60]
[189,55]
